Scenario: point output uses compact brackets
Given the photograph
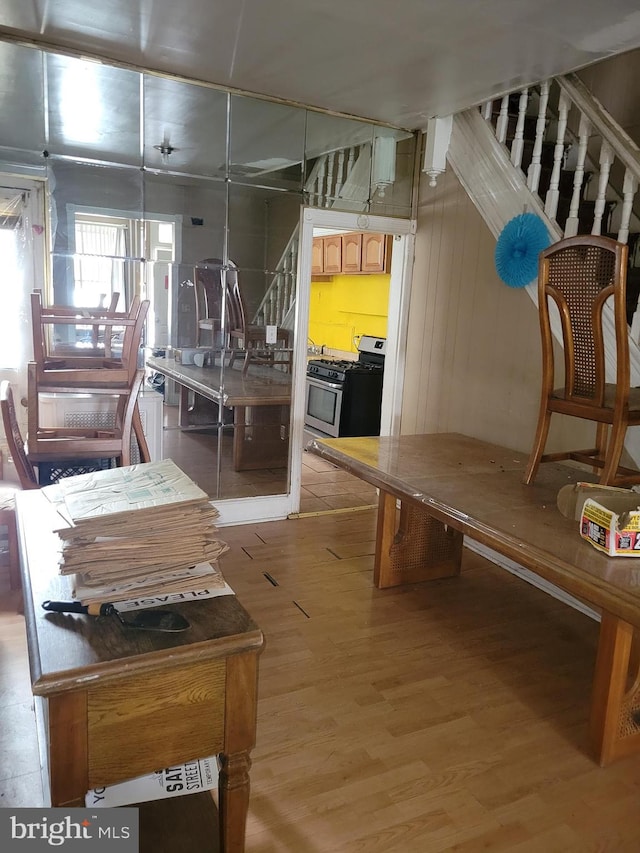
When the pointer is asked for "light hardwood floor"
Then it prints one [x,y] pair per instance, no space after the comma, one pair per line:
[442,716]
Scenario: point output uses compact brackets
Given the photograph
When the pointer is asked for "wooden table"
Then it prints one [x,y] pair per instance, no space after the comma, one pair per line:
[260,400]
[450,486]
[118,703]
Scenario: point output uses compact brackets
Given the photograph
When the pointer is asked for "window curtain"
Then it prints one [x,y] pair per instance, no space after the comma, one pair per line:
[16,284]
[99,262]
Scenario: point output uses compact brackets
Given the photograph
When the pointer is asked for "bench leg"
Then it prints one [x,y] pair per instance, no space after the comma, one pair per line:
[614,726]
[413,546]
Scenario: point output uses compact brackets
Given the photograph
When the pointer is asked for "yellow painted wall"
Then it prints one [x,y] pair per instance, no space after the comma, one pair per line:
[348,306]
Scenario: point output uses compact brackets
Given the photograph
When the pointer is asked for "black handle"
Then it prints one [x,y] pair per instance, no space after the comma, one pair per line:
[65,607]
[78,607]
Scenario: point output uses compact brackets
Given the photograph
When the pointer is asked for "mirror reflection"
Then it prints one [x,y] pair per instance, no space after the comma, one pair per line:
[185,195]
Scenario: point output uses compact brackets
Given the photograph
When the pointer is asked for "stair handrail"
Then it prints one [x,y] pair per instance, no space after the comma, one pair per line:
[625,149]
[263,315]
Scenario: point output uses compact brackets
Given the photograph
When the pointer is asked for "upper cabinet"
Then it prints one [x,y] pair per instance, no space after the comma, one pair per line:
[317,256]
[353,253]
[332,254]
[376,253]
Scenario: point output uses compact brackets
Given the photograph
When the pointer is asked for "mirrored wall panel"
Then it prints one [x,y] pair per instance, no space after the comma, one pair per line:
[189,196]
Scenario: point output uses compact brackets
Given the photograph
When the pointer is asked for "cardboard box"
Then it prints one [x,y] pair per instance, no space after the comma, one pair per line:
[609,517]
[615,533]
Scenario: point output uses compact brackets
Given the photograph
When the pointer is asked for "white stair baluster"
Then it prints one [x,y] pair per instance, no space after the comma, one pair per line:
[340,173]
[330,179]
[503,120]
[294,269]
[351,160]
[571,228]
[321,183]
[553,195]
[606,158]
[487,110]
[533,175]
[517,146]
[629,189]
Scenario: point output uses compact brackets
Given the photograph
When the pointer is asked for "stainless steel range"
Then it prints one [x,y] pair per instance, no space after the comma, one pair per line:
[344,398]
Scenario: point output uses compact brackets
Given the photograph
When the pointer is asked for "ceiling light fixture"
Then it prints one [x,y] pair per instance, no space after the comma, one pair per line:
[165,148]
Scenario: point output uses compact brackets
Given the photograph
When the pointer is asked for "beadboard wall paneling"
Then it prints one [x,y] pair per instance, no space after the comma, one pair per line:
[473,344]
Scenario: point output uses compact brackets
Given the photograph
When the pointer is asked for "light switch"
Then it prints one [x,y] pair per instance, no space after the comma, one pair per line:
[272,334]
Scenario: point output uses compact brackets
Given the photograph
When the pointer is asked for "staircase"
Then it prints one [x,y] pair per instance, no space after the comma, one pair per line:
[338,179]
[553,150]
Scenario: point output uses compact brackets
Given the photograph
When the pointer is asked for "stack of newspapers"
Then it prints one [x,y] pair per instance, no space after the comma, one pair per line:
[141,530]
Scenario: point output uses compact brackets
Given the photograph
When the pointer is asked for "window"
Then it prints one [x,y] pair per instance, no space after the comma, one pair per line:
[101,245]
[17,264]
[115,253]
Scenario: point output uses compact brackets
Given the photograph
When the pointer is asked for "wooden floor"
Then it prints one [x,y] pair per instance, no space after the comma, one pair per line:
[442,716]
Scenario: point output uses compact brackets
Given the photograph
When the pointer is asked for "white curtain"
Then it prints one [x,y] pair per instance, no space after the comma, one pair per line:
[19,235]
[98,262]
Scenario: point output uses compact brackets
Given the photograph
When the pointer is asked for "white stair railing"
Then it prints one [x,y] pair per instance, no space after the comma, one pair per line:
[581,137]
[328,179]
[480,160]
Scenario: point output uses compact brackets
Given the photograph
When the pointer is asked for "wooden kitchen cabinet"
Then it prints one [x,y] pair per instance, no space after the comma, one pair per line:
[376,252]
[351,252]
[332,254]
[317,256]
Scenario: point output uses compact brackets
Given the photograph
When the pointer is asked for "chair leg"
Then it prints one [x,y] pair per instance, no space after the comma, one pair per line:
[613,454]
[9,520]
[143,447]
[542,431]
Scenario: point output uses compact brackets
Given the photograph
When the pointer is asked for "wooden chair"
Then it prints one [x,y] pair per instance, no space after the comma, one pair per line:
[210,279]
[61,364]
[115,375]
[208,300]
[579,275]
[24,469]
[26,475]
[62,443]
[250,337]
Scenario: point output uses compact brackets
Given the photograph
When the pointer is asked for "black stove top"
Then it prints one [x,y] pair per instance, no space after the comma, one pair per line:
[370,360]
[338,368]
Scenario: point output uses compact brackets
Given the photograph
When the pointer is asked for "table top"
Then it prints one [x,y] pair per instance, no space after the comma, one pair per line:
[66,651]
[477,488]
[260,386]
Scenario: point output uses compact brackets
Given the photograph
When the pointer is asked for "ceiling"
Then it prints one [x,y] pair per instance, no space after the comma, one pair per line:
[399,63]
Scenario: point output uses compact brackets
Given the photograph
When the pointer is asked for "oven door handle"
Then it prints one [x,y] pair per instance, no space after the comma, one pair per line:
[321,383]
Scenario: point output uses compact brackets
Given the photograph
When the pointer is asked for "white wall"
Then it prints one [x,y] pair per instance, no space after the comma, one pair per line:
[473,344]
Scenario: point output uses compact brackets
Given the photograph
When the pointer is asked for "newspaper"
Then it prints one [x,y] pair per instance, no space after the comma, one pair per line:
[172,598]
[175,781]
[117,492]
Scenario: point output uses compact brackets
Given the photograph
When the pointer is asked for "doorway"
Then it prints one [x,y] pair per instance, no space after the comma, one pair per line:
[271,507]
[401,231]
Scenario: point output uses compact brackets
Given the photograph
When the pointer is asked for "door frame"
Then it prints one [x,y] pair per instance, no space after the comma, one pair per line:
[275,507]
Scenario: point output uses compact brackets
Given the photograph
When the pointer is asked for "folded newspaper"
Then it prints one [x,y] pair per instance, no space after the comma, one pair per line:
[175,781]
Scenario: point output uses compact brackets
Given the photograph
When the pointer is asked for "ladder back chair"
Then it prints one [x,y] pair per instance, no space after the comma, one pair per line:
[65,363]
[58,444]
[114,376]
[584,277]
[250,337]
